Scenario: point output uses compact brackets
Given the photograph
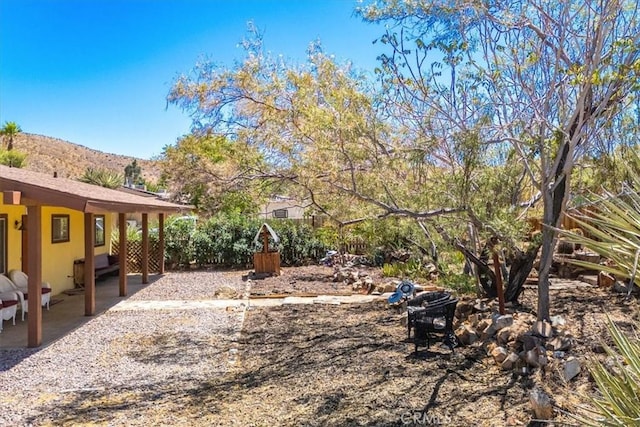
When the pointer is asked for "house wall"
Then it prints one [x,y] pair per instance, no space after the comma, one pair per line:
[57,258]
[14,236]
[294,211]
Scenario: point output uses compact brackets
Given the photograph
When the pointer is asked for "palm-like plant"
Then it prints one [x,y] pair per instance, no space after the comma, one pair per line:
[102,177]
[618,400]
[9,130]
[612,230]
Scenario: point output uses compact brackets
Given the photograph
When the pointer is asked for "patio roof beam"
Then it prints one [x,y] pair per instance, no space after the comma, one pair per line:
[89,265]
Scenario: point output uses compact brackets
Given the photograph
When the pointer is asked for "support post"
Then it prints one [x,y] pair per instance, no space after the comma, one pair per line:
[145,248]
[161,242]
[496,268]
[89,266]
[122,254]
[34,225]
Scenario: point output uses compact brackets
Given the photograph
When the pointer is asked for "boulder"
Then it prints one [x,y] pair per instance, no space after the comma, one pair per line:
[482,324]
[499,354]
[571,368]
[226,292]
[559,343]
[557,321]
[504,335]
[467,335]
[510,362]
[503,321]
[529,342]
[463,310]
[605,280]
[541,404]
[488,332]
[536,357]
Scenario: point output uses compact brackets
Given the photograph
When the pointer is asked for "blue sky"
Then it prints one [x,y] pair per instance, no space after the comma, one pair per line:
[97,72]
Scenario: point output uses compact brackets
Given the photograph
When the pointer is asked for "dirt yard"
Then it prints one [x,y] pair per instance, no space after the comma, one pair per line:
[294,364]
[352,365]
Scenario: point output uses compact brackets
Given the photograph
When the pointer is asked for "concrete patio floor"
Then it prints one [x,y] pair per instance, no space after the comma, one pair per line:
[67,312]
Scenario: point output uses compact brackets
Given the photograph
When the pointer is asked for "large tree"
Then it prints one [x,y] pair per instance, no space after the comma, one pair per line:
[554,73]
[328,133]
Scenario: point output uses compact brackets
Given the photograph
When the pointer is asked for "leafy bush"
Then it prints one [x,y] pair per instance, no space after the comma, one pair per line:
[460,283]
[298,243]
[178,247]
[13,158]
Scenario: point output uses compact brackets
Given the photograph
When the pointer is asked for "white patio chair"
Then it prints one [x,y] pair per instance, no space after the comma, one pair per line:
[20,282]
[9,300]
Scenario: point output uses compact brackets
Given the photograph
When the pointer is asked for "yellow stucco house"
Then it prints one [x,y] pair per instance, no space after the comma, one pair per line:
[46,223]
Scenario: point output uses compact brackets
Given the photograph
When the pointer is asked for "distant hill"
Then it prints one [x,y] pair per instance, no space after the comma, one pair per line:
[48,155]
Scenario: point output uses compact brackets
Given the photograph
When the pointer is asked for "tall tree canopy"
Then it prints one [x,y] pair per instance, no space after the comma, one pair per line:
[479,112]
[9,130]
[553,76]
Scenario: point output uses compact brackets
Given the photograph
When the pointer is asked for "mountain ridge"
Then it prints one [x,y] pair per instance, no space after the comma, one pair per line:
[70,160]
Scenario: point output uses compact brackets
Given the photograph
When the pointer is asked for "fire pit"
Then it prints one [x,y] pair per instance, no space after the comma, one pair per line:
[432,314]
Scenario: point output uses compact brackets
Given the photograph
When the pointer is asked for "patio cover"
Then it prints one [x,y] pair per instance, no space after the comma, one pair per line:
[34,190]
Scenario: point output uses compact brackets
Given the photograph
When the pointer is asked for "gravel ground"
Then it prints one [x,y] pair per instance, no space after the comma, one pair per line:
[117,367]
[293,365]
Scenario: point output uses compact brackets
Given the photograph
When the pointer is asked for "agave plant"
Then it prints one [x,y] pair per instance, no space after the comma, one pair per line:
[613,231]
[618,400]
[102,177]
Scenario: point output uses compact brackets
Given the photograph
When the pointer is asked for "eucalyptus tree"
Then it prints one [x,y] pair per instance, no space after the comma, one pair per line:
[554,75]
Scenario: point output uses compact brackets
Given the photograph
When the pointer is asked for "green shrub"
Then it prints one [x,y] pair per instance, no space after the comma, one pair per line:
[178,234]
[13,158]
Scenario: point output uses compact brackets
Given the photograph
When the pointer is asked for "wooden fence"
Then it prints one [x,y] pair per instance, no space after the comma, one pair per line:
[134,255]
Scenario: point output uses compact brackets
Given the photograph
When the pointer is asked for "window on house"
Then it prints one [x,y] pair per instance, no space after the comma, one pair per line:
[59,228]
[280,213]
[98,230]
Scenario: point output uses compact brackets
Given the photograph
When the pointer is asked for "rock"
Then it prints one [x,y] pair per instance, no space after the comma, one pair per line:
[504,335]
[499,354]
[474,319]
[481,306]
[557,321]
[226,292]
[503,321]
[559,343]
[598,348]
[572,368]
[605,280]
[510,362]
[488,332]
[541,404]
[389,287]
[536,357]
[529,342]
[543,329]
[482,324]
[467,335]
[489,347]
[463,310]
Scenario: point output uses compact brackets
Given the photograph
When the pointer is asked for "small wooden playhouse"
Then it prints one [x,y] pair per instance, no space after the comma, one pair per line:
[268,260]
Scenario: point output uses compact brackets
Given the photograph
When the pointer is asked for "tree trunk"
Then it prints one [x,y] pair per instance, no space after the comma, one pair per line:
[521,266]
